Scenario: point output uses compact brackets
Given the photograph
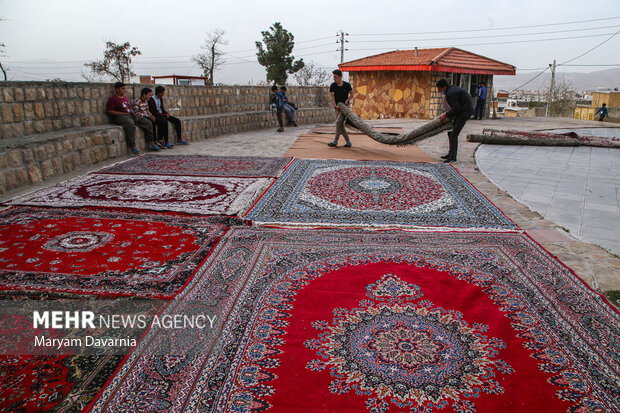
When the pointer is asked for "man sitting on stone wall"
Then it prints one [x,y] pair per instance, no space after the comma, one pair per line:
[162,117]
[119,109]
[141,108]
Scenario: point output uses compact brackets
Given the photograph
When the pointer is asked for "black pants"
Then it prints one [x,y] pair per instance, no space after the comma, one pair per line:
[162,127]
[279,116]
[457,126]
[479,113]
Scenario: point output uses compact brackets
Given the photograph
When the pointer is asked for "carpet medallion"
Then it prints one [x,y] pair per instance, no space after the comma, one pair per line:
[193,195]
[109,252]
[380,322]
[201,165]
[375,193]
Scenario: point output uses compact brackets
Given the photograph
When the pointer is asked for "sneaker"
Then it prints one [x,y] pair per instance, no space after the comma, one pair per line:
[160,145]
[333,144]
[169,145]
[135,151]
[154,147]
[182,142]
[280,130]
[347,145]
[294,124]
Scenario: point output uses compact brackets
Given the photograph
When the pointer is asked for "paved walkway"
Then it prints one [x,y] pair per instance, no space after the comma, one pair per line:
[577,188]
[597,267]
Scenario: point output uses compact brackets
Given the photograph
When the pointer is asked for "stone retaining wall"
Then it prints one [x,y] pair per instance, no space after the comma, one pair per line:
[49,129]
[28,108]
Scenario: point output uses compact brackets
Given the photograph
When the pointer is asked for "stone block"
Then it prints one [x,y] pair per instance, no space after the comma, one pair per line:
[34,173]
[51,109]
[18,130]
[27,156]
[29,111]
[95,155]
[97,140]
[30,94]
[67,123]
[42,94]
[76,122]
[7,113]
[58,165]
[87,93]
[58,147]
[76,159]
[21,176]
[62,108]
[67,163]
[104,152]
[71,93]
[19,94]
[67,146]
[85,157]
[79,143]
[39,126]
[14,159]
[50,149]
[2,185]
[4,161]
[47,168]
[18,113]
[7,94]
[70,108]
[10,179]
[57,124]
[40,154]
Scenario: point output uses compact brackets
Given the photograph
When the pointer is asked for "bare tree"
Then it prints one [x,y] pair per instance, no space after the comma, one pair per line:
[211,59]
[116,62]
[561,99]
[2,54]
[311,75]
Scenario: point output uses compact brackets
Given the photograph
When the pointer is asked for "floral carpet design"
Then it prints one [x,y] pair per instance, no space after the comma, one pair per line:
[375,194]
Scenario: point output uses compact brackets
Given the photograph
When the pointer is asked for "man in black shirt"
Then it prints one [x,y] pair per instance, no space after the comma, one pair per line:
[461,109]
[340,91]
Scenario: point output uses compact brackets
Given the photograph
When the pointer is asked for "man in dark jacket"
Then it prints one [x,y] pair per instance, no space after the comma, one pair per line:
[162,117]
[461,109]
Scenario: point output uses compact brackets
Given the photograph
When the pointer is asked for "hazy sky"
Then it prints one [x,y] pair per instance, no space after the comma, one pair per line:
[48,39]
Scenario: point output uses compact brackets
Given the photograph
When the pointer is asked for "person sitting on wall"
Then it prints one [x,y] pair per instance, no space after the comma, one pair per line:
[162,117]
[604,112]
[276,100]
[119,109]
[141,108]
[288,108]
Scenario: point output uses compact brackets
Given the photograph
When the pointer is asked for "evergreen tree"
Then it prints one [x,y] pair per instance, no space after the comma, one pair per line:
[275,54]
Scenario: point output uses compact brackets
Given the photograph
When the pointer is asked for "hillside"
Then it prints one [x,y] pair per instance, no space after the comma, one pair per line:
[580,81]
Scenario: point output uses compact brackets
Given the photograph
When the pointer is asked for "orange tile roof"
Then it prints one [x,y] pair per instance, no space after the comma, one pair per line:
[445,59]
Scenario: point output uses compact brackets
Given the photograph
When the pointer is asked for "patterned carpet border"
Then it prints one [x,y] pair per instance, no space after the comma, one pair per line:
[105,252]
[563,336]
[201,165]
[379,194]
[192,195]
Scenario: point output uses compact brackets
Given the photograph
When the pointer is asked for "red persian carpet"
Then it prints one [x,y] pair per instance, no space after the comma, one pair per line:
[109,252]
[352,321]
[192,195]
[201,165]
[62,383]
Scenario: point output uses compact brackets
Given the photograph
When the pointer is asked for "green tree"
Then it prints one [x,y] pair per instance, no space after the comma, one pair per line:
[275,54]
[116,62]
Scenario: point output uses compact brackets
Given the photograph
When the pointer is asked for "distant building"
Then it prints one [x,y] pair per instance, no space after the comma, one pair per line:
[401,84]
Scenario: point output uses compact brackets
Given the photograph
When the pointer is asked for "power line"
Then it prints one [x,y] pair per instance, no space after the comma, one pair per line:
[486,36]
[510,42]
[490,29]
[532,79]
[595,47]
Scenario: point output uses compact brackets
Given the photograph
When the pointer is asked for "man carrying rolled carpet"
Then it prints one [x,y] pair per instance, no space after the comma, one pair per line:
[461,109]
[340,91]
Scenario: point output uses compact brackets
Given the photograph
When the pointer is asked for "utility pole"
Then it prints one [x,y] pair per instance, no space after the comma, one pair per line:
[342,41]
[551,87]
